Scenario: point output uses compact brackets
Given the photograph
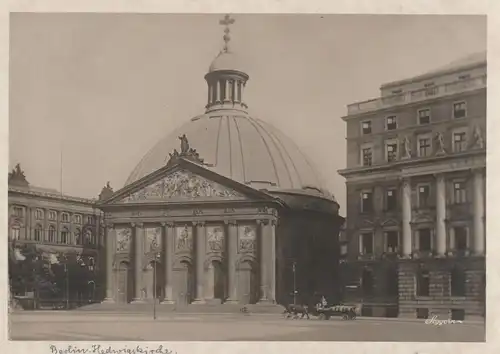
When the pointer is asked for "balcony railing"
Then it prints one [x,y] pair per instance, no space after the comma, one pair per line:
[417,95]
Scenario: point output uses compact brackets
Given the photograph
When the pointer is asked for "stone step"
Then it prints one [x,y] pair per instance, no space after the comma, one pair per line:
[192,308]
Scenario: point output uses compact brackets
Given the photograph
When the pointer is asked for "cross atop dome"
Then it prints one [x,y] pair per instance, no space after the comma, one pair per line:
[226,21]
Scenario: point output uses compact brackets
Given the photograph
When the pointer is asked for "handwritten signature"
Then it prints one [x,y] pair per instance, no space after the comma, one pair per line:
[437,322]
[103,349]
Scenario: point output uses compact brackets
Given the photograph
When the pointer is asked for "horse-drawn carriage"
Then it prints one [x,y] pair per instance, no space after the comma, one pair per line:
[322,311]
[325,312]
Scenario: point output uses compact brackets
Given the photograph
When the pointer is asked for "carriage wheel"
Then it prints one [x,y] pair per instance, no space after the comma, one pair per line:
[322,316]
[345,317]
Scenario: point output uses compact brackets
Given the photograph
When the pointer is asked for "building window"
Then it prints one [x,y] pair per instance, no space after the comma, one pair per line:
[91,219]
[459,110]
[464,77]
[391,123]
[15,232]
[457,282]
[460,238]
[366,202]
[78,237]
[17,211]
[87,237]
[343,250]
[423,283]
[39,214]
[459,141]
[423,196]
[392,241]
[392,282]
[391,151]
[52,215]
[366,241]
[78,219]
[424,116]
[367,156]
[38,233]
[424,146]
[65,217]
[52,234]
[367,282]
[422,313]
[457,314]
[425,240]
[366,127]
[391,200]
[459,193]
[64,235]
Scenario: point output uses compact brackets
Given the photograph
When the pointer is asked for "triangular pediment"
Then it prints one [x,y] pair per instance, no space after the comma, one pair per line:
[390,222]
[184,182]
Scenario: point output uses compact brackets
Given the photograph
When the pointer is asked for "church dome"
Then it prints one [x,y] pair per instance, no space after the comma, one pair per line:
[242,148]
[234,144]
[226,61]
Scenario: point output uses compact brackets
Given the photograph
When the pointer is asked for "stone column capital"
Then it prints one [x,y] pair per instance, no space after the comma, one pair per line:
[231,222]
[199,223]
[109,225]
[262,222]
[137,224]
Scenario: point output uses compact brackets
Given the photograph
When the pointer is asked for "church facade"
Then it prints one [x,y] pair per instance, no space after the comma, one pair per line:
[237,215]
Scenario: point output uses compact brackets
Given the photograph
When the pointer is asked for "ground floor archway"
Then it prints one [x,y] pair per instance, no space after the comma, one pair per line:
[184,283]
[248,283]
[124,283]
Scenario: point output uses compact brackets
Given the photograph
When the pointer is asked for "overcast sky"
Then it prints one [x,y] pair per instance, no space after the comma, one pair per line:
[107,87]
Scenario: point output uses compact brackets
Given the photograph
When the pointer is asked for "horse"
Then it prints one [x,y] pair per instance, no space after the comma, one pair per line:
[296,310]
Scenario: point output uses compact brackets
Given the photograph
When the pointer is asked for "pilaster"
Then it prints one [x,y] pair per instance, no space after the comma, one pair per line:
[110,250]
[138,255]
[232,250]
[406,219]
[168,256]
[440,244]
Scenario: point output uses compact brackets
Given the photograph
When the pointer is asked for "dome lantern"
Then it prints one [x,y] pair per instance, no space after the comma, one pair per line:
[226,80]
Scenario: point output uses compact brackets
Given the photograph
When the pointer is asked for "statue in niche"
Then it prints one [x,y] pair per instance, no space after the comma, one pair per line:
[440,150]
[184,144]
[406,148]
[478,142]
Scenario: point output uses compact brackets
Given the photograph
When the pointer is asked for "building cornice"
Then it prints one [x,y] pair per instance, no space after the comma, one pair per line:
[419,166]
[52,196]
[415,97]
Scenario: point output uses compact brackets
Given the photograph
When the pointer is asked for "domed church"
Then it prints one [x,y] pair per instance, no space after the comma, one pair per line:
[224,210]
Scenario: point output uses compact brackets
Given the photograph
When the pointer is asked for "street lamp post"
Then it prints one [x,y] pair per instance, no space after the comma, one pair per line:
[66,270]
[157,256]
[294,285]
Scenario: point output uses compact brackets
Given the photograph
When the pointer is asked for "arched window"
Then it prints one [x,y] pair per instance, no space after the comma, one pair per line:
[64,235]
[423,283]
[78,219]
[87,237]
[457,282]
[38,233]
[52,234]
[78,237]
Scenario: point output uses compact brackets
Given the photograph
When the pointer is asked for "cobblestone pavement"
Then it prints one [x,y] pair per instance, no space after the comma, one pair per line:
[189,327]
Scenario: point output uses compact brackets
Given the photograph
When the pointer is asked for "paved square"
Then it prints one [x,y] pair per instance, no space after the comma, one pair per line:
[192,327]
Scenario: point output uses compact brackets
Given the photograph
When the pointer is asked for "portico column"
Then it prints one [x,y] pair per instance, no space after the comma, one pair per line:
[478,205]
[217,93]
[110,250]
[264,259]
[168,256]
[200,261]
[232,251]
[272,251]
[440,216]
[138,254]
[406,219]
[226,98]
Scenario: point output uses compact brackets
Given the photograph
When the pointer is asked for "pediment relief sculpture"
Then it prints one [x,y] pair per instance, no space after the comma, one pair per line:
[182,185]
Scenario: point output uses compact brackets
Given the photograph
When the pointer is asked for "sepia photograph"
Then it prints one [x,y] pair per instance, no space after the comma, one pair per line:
[246,177]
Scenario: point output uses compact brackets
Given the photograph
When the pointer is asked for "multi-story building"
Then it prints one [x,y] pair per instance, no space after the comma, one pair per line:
[55,225]
[415,176]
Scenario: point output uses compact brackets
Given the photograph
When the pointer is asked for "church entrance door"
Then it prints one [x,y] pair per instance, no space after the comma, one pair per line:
[184,284]
[248,289]
[124,285]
